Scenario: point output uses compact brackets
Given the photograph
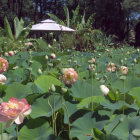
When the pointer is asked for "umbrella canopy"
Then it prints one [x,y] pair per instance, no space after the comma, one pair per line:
[50,25]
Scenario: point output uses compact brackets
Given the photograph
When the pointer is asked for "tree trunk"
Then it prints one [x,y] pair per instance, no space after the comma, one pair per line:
[36,9]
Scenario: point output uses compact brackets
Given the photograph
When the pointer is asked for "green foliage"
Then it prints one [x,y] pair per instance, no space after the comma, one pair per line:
[35,129]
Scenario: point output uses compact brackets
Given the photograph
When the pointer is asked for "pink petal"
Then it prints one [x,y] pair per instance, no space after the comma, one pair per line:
[27,112]
[19,119]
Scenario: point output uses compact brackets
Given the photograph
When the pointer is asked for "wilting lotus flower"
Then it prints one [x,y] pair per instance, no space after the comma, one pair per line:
[70,76]
[52,56]
[93,60]
[92,67]
[123,70]
[15,52]
[11,53]
[111,67]
[28,44]
[3,79]
[14,111]
[104,90]
[3,65]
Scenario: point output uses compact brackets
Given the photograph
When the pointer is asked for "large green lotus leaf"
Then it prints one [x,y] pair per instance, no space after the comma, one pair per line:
[18,75]
[53,137]
[17,90]
[35,66]
[7,136]
[95,99]
[105,113]
[41,107]
[83,89]
[71,112]
[101,136]
[130,82]
[135,93]
[83,126]
[123,126]
[137,69]
[36,129]
[112,106]
[83,75]
[41,60]
[44,82]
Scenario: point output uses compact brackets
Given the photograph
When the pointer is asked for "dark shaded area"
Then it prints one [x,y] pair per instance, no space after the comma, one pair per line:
[109,15]
[137,36]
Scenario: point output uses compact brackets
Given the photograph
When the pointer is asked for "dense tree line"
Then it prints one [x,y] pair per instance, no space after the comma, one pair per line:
[116,17]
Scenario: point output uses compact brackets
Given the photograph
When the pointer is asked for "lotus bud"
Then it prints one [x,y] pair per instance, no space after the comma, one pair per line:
[125,59]
[75,61]
[128,52]
[53,88]
[121,119]
[49,46]
[122,61]
[11,53]
[46,57]
[16,67]
[6,54]
[28,44]
[52,56]
[69,60]
[30,69]
[100,44]
[104,90]
[136,133]
[50,64]
[31,61]
[107,50]
[54,40]
[138,50]
[123,70]
[39,71]
[3,79]
[64,90]
[135,60]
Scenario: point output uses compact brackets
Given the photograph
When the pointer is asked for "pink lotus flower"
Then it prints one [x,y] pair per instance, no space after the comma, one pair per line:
[70,76]
[3,65]
[11,53]
[28,44]
[111,67]
[3,79]
[14,111]
[52,56]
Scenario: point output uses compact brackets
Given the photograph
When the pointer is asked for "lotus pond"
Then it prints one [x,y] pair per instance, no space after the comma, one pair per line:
[97,99]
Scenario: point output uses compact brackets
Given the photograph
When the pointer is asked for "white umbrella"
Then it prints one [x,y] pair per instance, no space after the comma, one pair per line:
[50,25]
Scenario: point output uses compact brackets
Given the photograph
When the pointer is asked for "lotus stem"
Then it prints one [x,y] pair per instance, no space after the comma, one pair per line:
[92,90]
[68,120]
[52,115]
[123,96]
[1,131]
[17,131]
